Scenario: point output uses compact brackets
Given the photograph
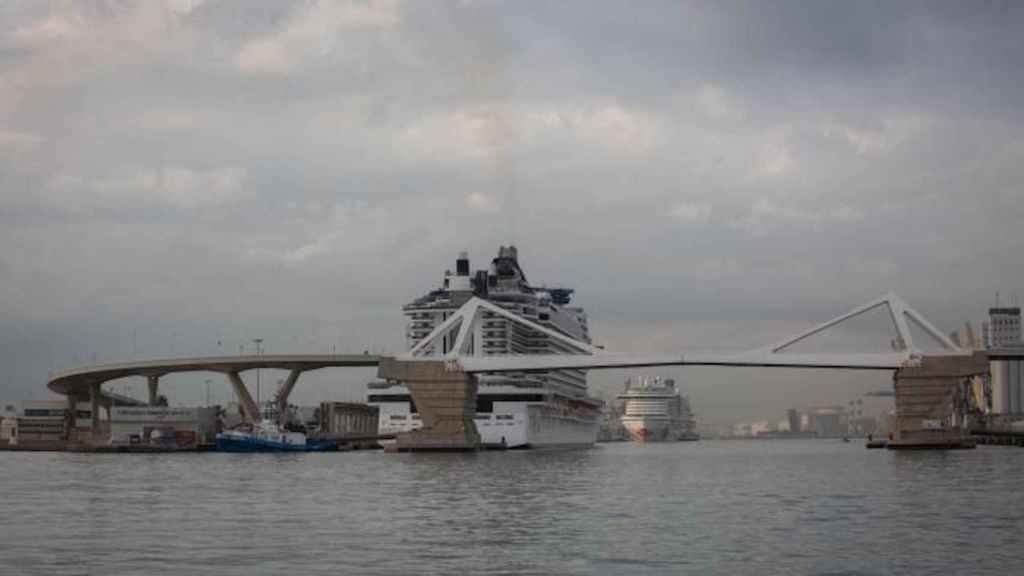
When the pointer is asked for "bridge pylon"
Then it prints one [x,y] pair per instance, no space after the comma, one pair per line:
[445,398]
[927,401]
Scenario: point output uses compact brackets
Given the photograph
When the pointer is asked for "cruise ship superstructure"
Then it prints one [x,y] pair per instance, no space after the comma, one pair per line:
[655,411]
[513,410]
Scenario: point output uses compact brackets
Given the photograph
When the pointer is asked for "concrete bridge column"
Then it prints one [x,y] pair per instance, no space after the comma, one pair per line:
[153,383]
[94,405]
[926,402]
[445,399]
[250,411]
[70,413]
[281,401]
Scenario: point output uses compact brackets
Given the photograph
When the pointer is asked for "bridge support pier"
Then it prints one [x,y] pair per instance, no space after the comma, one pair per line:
[927,402]
[446,402]
[281,399]
[250,411]
[94,406]
[153,382]
[70,416]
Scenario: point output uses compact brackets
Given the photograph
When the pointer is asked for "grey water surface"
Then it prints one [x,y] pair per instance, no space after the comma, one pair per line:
[728,507]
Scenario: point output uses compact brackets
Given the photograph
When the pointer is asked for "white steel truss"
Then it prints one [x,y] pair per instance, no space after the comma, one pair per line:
[462,324]
[902,316]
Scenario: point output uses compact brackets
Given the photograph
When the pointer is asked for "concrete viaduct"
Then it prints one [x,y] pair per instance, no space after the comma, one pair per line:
[86,383]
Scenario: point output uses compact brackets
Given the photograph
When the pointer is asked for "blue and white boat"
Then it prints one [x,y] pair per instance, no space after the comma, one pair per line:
[268,437]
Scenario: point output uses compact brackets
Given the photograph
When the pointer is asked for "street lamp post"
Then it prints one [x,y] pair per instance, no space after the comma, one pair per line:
[207,392]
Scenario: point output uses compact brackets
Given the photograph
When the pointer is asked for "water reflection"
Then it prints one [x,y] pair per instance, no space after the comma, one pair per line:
[716,508]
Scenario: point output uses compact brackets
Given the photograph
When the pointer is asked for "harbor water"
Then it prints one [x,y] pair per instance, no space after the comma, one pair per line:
[728,507]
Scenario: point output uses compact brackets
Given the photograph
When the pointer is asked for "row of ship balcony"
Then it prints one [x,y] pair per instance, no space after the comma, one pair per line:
[531,314]
[506,346]
[527,311]
[493,322]
[541,341]
[498,325]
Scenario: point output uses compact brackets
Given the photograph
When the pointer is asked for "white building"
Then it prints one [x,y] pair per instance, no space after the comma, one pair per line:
[1003,328]
[829,421]
[162,426]
[741,430]
[1008,385]
[41,423]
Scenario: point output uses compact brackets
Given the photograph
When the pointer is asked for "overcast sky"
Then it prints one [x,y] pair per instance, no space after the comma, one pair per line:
[179,174]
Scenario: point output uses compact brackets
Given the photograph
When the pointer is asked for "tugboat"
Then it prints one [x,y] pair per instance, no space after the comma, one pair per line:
[267,436]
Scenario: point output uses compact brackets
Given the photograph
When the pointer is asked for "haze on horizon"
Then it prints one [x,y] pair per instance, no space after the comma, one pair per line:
[180,177]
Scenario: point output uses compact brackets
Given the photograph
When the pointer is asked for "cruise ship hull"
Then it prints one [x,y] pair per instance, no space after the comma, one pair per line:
[656,430]
[648,430]
[517,431]
[548,428]
[509,425]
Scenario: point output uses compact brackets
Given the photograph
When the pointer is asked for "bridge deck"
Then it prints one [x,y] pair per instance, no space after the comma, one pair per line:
[78,380]
[478,364]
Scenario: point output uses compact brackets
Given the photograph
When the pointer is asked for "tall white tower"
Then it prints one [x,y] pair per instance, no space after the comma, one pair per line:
[1003,328]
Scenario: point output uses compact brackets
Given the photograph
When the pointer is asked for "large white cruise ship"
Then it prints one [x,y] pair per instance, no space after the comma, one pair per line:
[513,410]
[655,411]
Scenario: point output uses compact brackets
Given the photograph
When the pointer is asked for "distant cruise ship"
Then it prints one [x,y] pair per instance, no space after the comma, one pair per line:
[514,410]
[656,412]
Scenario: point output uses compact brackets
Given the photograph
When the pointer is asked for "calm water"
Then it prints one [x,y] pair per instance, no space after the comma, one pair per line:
[772,507]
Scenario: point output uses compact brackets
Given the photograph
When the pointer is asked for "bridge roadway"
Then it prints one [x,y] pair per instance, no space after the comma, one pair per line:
[755,359]
[81,383]
[86,382]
